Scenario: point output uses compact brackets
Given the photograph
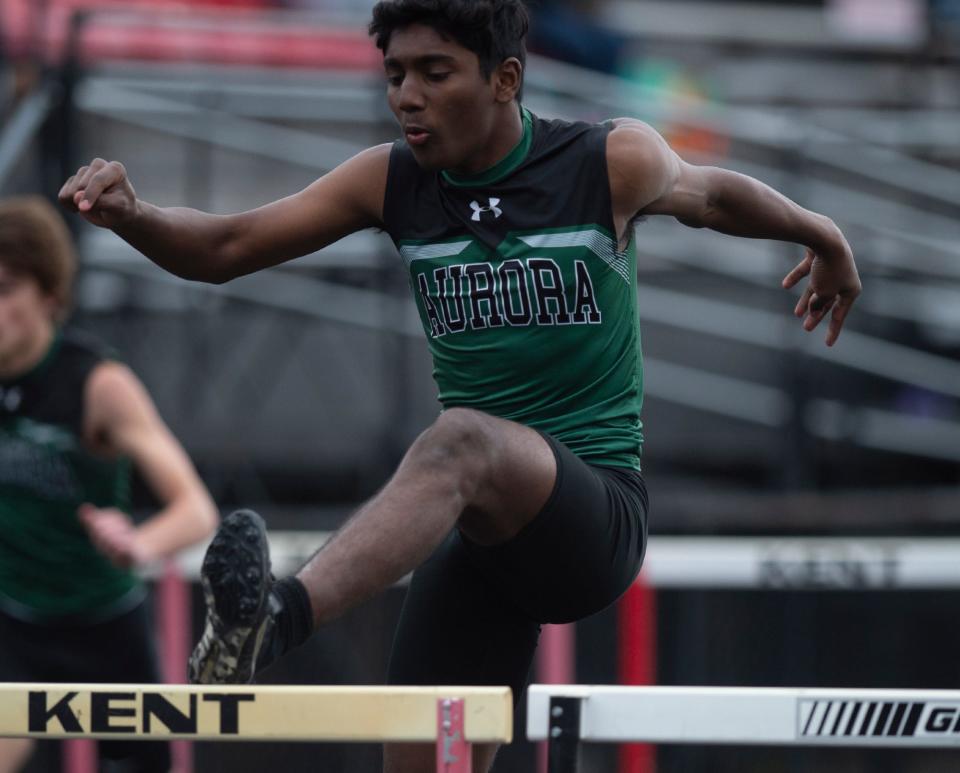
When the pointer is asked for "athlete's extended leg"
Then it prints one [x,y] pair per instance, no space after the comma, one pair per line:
[488,475]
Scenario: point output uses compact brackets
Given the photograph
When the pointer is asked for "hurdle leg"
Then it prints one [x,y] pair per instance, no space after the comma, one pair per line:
[79,756]
[637,647]
[556,664]
[563,749]
[172,621]
[454,753]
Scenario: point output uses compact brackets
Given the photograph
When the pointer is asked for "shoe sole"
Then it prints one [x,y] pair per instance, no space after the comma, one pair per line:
[235,577]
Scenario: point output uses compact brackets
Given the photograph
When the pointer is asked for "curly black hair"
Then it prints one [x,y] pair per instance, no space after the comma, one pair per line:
[494,30]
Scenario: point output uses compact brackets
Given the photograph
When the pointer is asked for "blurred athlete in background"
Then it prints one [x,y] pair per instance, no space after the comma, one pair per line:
[72,421]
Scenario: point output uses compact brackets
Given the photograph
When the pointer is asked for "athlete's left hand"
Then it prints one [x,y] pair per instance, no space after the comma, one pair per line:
[834,286]
[113,534]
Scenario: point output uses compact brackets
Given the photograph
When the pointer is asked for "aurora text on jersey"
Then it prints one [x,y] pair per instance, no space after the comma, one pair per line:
[528,305]
[517,293]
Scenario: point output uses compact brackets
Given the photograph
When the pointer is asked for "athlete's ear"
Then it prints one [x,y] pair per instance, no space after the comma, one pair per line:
[507,79]
[52,307]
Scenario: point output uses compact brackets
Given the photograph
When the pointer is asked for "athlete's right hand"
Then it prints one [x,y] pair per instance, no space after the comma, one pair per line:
[101,194]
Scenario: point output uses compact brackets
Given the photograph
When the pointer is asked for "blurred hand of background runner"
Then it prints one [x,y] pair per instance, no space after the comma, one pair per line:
[114,534]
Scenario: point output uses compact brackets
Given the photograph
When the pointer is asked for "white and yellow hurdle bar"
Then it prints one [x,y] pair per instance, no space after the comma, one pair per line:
[453,718]
[566,715]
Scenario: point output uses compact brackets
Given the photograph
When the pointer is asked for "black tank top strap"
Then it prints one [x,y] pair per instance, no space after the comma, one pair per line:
[53,391]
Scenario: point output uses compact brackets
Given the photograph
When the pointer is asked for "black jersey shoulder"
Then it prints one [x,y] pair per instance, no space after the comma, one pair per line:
[53,392]
[551,136]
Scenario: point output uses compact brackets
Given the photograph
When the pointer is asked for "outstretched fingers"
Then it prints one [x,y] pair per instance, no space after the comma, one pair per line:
[837,306]
[812,307]
[801,308]
[840,311]
[801,270]
[817,310]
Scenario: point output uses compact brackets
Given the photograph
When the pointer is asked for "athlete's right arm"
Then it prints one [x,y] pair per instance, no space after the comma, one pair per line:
[216,248]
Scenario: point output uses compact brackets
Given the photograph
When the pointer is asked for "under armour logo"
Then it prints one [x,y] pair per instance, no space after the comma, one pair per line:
[492,207]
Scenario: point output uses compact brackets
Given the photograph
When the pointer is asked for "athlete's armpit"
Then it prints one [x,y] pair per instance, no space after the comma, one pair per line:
[648,177]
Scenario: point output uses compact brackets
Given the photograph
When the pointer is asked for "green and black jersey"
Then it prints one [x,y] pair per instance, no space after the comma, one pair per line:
[529,307]
[48,566]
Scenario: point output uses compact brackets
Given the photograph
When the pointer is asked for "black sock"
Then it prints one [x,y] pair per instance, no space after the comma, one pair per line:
[295,622]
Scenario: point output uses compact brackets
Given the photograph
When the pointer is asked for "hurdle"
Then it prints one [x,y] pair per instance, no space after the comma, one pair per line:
[566,715]
[452,718]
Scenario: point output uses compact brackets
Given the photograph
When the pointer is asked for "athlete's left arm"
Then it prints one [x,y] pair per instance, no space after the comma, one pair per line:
[121,419]
[648,178]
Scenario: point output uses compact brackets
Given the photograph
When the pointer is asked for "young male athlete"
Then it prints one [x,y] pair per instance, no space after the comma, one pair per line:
[523,502]
[72,419]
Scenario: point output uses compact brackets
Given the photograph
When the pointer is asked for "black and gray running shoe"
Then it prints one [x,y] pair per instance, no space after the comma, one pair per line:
[241,610]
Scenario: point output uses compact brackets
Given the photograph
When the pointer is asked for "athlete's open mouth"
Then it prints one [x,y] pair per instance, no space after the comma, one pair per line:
[416,135]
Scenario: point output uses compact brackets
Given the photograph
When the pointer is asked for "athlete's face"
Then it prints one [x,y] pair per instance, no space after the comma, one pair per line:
[26,315]
[450,115]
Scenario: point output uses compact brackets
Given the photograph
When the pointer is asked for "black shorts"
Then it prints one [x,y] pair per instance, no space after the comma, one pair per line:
[117,650]
[472,614]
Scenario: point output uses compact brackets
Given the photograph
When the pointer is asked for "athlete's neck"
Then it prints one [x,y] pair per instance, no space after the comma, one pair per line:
[506,135]
[26,357]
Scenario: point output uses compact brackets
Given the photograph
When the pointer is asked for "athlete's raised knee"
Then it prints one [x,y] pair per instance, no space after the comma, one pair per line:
[459,432]
[464,425]
[461,442]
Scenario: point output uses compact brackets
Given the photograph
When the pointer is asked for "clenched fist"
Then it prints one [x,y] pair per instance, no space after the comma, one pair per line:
[101,194]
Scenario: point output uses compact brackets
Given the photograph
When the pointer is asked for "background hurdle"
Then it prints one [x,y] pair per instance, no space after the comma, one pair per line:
[569,715]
